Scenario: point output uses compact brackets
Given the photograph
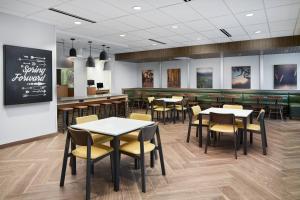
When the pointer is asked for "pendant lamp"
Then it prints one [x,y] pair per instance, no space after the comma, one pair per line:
[108,63]
[72,53]
[90,60]
[103,54]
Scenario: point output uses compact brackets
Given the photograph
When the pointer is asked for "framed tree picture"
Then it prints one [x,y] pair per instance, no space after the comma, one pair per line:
[285,77]
[241,77]
[174,78]
[204,78]
[147,78]
[27,75]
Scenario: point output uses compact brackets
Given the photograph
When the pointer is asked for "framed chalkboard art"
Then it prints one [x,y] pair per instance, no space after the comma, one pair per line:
[27,75]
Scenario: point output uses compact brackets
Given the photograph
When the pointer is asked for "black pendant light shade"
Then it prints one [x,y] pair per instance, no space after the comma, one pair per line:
[90,60]
[108,63]
[103,54]
[72,52]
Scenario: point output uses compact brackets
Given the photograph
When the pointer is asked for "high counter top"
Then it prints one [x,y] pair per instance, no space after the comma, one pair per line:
[90,97]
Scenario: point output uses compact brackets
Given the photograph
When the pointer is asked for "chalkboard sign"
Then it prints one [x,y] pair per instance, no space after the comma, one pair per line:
[27,75]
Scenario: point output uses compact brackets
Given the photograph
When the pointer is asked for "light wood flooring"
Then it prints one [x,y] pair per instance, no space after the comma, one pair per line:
[32,171]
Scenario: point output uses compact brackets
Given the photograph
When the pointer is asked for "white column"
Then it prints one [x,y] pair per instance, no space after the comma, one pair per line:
[261,71]
[80,77]
[221,71]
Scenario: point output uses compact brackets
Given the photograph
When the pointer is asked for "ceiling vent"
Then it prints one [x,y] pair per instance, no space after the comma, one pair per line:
[159,42]
[225,32]
[71,15]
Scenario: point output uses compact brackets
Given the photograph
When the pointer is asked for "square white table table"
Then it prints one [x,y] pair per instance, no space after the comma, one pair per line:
[173,101]
[115,127]
[239,113]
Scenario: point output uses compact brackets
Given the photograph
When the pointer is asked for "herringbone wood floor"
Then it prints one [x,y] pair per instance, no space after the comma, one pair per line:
[32,170]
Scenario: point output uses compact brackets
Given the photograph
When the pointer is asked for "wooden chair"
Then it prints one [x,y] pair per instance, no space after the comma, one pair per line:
[159,106]
[133,136]
[258,105]
[149,104]
[97,138]
[181,107]
[222,123]
[145,144]
[193,113]
[260,129]
[85,149]
[275,106]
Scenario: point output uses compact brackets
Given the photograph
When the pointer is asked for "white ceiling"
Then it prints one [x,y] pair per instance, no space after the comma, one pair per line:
[198,21]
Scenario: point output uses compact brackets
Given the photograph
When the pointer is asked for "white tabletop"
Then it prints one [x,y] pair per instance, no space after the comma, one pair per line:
[113,126]
[236,112]
[170,100]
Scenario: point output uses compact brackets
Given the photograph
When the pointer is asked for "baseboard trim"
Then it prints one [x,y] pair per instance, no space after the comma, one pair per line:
[2,146]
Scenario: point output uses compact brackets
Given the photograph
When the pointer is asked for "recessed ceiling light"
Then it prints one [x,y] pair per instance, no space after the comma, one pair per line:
[136,7]
[154,44]
[77,22]
[122,35]
[199,39]
[256,32]
[175,26]
[249,15]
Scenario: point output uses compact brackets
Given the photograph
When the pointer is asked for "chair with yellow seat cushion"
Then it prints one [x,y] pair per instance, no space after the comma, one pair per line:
[239,122]
[97,138]
[181,107]
[145,144]
[260,128]
[222,123]
[159,107]
[149,104]
[193,113]
[133,136]
[83,147]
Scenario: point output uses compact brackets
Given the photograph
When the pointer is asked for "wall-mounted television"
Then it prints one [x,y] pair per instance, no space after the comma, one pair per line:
[90,82]
[99,85]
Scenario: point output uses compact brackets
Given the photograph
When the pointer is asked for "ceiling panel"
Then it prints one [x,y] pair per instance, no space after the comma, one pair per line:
[44,3]
[159,31]
[210,8]
[275,3]
[181,12]
[236,31]
[213,34]
[163,3]
[136,21]
[127,6]
[200,25]
[18,8]
[181,29]
[238,6]
[259,16]
[262,28]
[283,12]
[287,25]
[224,21]
[157,17]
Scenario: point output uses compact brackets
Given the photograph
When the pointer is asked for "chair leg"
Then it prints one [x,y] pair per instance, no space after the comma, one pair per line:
[235,141]
[88,176]
[136,163]
[143,173]
[164,119]
[65,160]
[188,135]
[92,168]
[207,141]
[162,163]
[112,167]
[263,142]
[251,137]
[197,132]
[200,136]
[73,160]
[152,158]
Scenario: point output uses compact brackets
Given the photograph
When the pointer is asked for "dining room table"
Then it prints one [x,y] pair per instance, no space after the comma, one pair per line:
[114,127]
[243,114]
[173,102]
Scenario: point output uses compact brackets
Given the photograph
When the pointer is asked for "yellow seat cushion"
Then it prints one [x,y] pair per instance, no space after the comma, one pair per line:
[253,127]
[224,128]
[196,110]
[99,138]
[134,147]
[97,150]
[180,107]
[132,136]
[239,123]
[140,116]
[161,109]
[205,122]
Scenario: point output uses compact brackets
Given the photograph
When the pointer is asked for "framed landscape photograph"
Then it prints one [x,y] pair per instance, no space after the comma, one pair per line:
[147,78]
[204,77]
[285,77]
[241,77]
[27,75]
[173,78]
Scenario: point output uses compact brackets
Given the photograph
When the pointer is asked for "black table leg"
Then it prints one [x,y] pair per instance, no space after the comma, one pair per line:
[116,145]
[245,135]
[251,133]
[174,112]
[200,130]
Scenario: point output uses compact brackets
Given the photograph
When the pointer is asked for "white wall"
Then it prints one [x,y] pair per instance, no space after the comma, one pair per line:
[277,59]
[123,75]
[20,122]
[265,67]
[80,78]
[99,75]
[230,62]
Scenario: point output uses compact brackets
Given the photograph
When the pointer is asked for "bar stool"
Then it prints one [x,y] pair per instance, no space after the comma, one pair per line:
[93,107]
[80,110]
[65,118]
[107,108]
[118,105]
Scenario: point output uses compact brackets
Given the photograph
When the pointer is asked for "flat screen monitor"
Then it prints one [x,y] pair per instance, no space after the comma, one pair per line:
[90,82]
[99,85]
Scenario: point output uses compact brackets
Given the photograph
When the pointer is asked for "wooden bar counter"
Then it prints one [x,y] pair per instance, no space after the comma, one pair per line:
[75,101]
